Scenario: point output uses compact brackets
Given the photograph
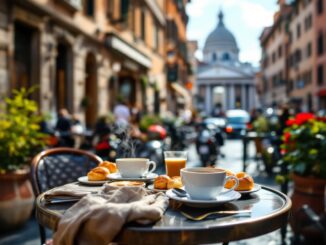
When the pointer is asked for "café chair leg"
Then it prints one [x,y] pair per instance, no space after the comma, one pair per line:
[42,234]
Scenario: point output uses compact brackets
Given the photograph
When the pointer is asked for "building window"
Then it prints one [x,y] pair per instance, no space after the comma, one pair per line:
[143,24]
[89,8]
[214,58]
[124,9]
[298,31]
[320,6]
[309,49]
[280,51]
[320,75]
[226,57]
[273,57]
[155,35]
[320,43]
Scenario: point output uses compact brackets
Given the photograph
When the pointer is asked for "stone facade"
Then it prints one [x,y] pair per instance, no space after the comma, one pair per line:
[84,55]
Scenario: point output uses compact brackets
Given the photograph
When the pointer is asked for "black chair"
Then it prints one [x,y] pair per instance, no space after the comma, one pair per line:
[59,166]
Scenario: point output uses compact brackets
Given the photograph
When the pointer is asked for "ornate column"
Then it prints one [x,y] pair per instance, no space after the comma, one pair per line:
[225,98]
[244,105]
[208,99]
[231,98]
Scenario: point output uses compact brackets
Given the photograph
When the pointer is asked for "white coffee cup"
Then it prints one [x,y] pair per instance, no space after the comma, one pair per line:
[134,167]
[205,183]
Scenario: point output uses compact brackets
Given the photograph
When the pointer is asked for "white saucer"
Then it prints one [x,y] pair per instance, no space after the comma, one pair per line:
[256,188]
[151,187]
[146,178]
[84,180]
[221,199]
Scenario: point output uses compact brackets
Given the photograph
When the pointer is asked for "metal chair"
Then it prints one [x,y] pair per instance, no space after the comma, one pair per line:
[59,166]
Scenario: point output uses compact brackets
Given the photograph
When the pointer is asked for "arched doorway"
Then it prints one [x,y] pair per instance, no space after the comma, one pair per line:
[64,81]
[26,58]
[90,90]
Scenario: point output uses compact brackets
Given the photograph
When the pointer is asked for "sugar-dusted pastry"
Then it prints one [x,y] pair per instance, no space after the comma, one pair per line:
[161,182]
[246,182]
[98,173]
[175,182]
[111,166]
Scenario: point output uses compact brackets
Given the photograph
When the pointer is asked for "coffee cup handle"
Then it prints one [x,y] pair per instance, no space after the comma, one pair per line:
[153,167]
[233,187]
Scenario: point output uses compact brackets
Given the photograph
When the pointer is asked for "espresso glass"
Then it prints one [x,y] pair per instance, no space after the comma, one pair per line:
[174,161]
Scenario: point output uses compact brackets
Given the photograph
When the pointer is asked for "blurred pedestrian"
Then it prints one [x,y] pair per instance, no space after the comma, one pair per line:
[77,130]
[63,126]
[122,114]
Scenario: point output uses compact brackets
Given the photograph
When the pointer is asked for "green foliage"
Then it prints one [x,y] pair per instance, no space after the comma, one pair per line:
[149,120]
[305,147]
[20,136]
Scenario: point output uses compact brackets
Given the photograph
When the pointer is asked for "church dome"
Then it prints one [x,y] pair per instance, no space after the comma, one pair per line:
[221,40]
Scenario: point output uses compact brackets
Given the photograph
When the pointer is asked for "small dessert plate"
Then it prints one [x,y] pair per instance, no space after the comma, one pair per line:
[147,178]
[84,180]
[257,187]
[220,199]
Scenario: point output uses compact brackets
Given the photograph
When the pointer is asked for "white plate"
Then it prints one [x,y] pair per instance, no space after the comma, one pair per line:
[147,178]
[84,180]
[220,199]
[151,187]
[256,188]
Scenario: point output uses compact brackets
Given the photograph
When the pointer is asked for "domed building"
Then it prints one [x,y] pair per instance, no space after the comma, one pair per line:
[222,80]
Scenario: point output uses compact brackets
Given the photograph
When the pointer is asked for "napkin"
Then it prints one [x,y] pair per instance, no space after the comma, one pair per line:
[70,191]
[97,219]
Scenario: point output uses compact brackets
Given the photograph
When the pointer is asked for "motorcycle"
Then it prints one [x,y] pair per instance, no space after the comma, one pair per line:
[208,143]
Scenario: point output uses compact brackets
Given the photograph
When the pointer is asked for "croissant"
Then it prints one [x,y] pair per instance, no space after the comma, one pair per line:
[111,166]
[98,173]
[161,182]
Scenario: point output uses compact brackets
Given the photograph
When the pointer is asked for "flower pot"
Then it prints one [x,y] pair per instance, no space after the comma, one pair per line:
[310,191]
[16,199]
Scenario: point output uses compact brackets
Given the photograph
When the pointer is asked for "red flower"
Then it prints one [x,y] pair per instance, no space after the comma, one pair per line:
[321,119]
[286,137]
[290,122]
[302,118]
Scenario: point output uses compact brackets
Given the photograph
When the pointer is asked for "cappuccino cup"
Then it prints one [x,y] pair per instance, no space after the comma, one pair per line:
[205,183]
[135,167]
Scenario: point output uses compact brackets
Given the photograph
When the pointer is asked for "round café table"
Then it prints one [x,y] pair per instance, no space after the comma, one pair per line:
[270,211]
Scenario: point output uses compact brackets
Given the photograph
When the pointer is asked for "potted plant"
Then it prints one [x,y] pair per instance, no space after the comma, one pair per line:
[20,140]
[304,154]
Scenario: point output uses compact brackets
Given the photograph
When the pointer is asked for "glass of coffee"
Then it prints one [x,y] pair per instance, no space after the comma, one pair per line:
[174,161]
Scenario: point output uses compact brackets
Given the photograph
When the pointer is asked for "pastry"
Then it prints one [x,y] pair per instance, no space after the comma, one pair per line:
[111,166]
[246,182]
[230,182]
[98,173]
[161,182]
[128,183]
[175,182]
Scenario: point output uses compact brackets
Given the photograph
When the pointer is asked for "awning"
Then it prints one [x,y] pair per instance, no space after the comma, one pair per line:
[183,92]
[114,42]
[321,92]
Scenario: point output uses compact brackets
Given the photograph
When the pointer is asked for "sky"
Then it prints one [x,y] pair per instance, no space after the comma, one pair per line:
[244,18]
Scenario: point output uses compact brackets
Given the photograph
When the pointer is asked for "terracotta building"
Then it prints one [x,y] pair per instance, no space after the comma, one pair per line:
[320,42]
[303,34]
[273,76]
[84,55]
[176,51]
[301,56]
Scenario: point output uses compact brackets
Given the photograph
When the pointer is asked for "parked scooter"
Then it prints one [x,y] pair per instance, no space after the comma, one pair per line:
[208,143]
